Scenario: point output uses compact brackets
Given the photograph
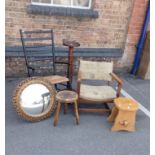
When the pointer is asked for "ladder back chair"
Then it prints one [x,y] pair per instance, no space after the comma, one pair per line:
[93,70]
[39,52]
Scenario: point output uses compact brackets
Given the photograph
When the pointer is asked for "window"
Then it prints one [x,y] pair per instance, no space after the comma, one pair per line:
[85,4]
[73,8]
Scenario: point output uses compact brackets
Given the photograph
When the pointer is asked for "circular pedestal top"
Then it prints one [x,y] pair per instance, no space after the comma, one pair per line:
[127,104]
[66,96]
[70,43]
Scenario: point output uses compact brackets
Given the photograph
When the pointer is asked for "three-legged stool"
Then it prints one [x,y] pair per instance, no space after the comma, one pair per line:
[65,97]
[123,114]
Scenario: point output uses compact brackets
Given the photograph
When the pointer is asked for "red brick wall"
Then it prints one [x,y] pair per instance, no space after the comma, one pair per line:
[118,26]
[15,66]
[134,31]
[109,30]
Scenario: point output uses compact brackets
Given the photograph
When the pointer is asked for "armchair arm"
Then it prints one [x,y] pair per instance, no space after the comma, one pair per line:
[115,77]
[119,81]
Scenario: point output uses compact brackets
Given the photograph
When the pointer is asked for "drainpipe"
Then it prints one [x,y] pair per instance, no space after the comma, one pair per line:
[141,41]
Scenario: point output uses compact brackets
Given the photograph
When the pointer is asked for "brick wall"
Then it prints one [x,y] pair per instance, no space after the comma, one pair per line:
[13,71]
[133,33]
[118,26]
[108,30]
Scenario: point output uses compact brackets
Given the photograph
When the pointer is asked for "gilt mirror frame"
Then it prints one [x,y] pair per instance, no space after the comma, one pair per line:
[20,88]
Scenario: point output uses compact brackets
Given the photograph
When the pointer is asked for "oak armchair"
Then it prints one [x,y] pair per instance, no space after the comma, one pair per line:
[103,94]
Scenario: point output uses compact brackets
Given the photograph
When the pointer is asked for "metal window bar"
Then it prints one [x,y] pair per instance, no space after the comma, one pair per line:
[71,3]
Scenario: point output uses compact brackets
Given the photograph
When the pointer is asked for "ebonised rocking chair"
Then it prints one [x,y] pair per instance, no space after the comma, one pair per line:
[39,53]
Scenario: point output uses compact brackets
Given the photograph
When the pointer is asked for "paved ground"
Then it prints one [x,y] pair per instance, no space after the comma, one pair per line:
[139,89]
[91,137]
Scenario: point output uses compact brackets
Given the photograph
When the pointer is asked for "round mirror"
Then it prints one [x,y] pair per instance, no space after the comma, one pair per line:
[35,103]
[34,99]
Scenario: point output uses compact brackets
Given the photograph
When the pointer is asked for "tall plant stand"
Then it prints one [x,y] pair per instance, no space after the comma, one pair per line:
[71,45]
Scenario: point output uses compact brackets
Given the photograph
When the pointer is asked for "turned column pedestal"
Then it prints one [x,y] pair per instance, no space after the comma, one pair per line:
[71,45]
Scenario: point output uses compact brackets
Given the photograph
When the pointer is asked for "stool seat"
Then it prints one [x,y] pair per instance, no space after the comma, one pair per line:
[126,104]
[66,96]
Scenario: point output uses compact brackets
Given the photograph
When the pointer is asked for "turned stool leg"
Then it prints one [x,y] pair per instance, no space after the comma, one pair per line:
[125,120]
[76,113]
[65,108]
[113,114]
[56,116]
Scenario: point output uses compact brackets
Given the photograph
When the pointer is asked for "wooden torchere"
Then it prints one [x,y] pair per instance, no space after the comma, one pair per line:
[71,45]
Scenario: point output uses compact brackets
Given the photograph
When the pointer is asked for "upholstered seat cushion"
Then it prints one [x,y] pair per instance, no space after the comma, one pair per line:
[97,93]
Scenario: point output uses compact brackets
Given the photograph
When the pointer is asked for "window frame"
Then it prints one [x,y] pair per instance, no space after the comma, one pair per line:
[59,5]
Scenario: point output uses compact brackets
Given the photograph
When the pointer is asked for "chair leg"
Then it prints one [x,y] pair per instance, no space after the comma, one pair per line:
[65,108]
[76,113]
[28,72]
[69,85]
[78,105]
[56,87]
[106,106]
[33,70]
[113,114]
[56,116]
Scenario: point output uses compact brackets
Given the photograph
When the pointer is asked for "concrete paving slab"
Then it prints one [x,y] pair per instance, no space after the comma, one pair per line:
[138,89]
[92,137]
